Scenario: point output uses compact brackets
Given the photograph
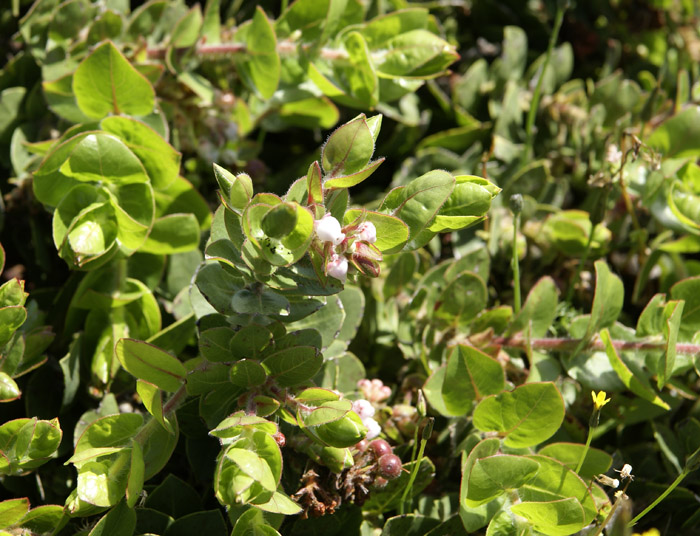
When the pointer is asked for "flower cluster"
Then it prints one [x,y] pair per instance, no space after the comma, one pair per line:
[374,390]
[350,244]
[365,410]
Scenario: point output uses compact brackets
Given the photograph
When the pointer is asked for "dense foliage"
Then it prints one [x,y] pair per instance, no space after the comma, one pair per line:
[349,267]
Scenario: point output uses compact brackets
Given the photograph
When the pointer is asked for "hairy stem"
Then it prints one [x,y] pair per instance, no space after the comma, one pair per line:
[563,344]
[283,47]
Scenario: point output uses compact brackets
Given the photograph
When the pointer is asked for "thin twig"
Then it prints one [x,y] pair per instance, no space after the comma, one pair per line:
[283,47]
[564,344]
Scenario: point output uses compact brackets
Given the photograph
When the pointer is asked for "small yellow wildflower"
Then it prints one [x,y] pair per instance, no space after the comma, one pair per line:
[599,399]
[650,532]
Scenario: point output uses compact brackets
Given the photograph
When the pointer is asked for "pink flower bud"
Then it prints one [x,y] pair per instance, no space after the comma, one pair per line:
[337,267]
[328,230]
[367,232]
[363,408]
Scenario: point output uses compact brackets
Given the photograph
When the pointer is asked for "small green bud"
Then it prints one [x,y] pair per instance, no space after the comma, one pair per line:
[428,429]
[420,405]
[337,459]
[344,432]
[516,203]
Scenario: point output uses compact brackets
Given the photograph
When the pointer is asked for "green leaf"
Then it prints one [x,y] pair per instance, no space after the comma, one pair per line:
[10,106]
[554,518]
[11,318]
[103,158]
[45,518]
[209,522]
[462,300]
[468,203]
[147,362]
[348,149]
[526,416]
[597,462]
[9,390]
[279,503]
[97,484]
[214,344]
[676,137]
[261,67]
[174,233]
[293,366]
[260,301]
[540,309]
[568,231]
[12,511]
[409,525]
[555,481]
[637,385]
[186,30]
[250,341]
[158,448]
[470,375]
[236,190]
[346,181]
[110,431]
[252,523]
[247,373]
[279,221]
[392,233]
[174,497]
[491,476]
[105,82]
[160,160]
[360,74]
[61,100]
[152,399]
[418,203]
[119,521]
[687,290]
[415,54]
[672,316]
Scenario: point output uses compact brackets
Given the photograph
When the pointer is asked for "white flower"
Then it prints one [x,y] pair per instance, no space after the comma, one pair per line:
[328,230]
[363,408]
[338,267]
[367,232]
[373,428]
[626,471]
[613,154]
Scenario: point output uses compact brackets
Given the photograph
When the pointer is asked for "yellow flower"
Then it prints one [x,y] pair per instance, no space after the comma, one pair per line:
[650,532]
[599,399]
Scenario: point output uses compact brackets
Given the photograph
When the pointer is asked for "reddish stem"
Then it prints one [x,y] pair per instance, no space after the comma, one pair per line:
[595,344]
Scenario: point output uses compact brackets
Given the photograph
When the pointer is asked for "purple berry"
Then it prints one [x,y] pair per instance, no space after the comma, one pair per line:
[380,447]
[390,466]
[362,445]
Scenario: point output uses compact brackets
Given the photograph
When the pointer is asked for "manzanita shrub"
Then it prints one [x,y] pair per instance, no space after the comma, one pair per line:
[202,330]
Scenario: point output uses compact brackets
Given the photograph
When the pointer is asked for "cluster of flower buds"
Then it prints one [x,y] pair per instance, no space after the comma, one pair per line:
[365,410]
[374,390]
[353,243]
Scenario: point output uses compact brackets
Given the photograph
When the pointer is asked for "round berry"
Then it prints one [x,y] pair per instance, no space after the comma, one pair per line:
[390,466]
[380,447]
[380,482]
[362,445]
